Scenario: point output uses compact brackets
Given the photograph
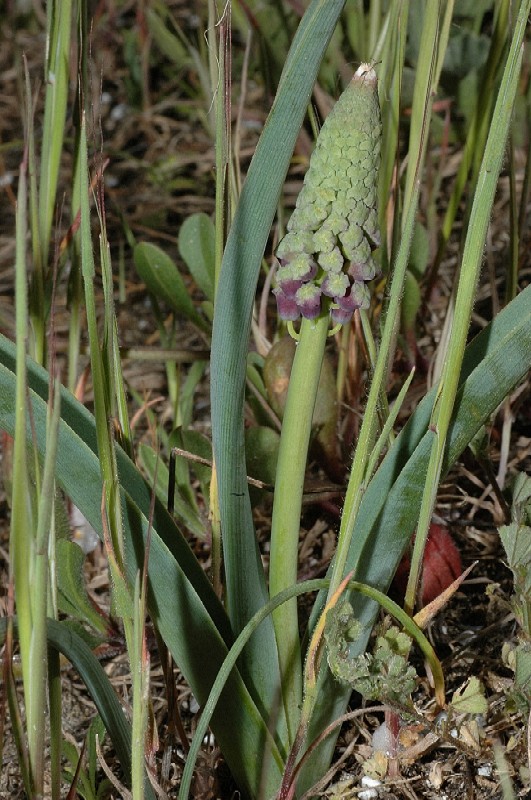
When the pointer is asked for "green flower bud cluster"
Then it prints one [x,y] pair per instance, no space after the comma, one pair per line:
[333,231]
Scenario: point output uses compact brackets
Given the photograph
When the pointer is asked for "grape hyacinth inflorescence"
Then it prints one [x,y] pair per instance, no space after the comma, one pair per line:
[326,257]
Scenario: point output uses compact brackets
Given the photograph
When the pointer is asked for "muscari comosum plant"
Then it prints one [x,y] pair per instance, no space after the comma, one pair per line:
[379,511]
[257,718]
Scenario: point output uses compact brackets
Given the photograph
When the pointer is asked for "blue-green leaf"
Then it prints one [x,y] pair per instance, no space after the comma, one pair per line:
[181,600]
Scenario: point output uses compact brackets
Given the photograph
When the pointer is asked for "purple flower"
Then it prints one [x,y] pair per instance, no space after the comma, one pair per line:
[362,272]
[340,317]
[287,284]
[287,306]
[294,272]
[308,300]
[358,297]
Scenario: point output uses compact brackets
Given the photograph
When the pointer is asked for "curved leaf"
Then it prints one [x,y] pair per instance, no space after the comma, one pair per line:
[181,600]
[494,363]
[245,581]
[279,599]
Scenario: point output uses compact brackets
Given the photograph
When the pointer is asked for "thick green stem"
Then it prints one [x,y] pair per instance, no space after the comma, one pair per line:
[292,458]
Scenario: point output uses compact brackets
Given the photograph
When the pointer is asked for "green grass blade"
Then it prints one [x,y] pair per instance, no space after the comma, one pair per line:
[36,712]
[21,544]
[390,89]
[425,80]
[246,588]
[139,659]
[63,639]
[100,365]
[495,362]
[57,79]
[118,395]
[36,293]
[181,600]
[466,290]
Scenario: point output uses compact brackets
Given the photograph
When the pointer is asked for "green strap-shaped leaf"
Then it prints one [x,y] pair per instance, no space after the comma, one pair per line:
[495,362]
[246,587]
[64,640]
[181,602]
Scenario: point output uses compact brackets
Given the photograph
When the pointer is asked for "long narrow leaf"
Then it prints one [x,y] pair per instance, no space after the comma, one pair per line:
[22,541]
[468,279]
[246,588]
[181,600]
[39,589]
[64,640]
[296,590]
[57,77]
[494,363]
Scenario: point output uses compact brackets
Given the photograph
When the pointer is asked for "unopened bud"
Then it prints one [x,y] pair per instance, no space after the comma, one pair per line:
[335,221]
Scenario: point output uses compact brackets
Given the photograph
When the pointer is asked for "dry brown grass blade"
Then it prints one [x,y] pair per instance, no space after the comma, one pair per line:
[426,614]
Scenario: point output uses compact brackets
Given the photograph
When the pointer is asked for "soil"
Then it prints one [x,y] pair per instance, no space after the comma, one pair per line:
[161,169]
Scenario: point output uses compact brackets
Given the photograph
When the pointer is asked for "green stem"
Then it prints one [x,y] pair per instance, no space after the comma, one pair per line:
[364,447]
[140,680]
[289,484]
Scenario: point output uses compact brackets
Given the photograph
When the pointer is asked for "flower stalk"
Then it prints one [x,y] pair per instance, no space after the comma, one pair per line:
[325,261]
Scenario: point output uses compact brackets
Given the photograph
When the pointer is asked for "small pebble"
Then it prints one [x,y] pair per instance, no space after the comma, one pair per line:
[119,112]
[370,792]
